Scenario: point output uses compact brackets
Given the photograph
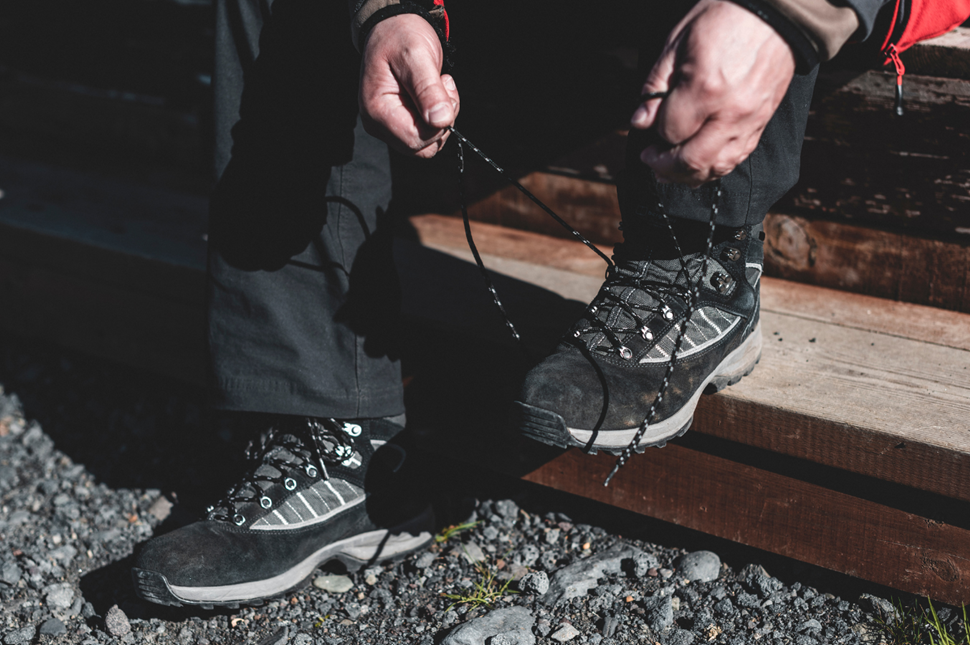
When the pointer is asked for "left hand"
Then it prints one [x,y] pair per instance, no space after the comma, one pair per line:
[726,71]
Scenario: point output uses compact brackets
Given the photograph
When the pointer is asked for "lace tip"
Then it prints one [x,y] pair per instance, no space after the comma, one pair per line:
[609,477]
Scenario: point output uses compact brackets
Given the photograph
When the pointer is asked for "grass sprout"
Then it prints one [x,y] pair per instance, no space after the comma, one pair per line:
[487,590]
[453,530]
[917,625]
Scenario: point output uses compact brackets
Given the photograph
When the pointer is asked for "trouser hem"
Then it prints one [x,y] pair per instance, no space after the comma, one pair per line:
[280,397]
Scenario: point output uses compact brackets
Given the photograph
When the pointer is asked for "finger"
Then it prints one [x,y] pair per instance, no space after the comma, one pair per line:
[683,113]
[713,152]
[658,82]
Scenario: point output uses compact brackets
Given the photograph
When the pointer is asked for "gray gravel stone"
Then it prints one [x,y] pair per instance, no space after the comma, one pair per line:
[425,560]
[59,596]
[700,566]
[643,562]
[10,573]
[536,583]
[18,517]
[116,622]
[578,578]
[470,551]
[879,606]
[507,509]
[20,636]
[565,633]
[659,612]
[679,637]
[513,623]
[52,627]
[527,555]
[333,584]
[63,554]
[810,625]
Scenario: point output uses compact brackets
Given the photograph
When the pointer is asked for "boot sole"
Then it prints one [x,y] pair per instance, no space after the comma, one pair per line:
[354,552]
[550,428]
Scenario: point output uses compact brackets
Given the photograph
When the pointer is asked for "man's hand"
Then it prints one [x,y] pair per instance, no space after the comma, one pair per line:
[726,71]
[404,98]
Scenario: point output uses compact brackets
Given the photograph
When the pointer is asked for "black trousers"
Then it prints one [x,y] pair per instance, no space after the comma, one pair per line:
[303,296]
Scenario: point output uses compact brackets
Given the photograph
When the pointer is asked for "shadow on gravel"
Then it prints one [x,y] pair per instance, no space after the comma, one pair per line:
[130,429]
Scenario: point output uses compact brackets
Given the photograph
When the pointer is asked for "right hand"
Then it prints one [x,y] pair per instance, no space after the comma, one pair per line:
[405,100]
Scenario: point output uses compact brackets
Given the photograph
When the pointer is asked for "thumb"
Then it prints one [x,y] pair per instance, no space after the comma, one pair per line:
[658,82]
[430,97]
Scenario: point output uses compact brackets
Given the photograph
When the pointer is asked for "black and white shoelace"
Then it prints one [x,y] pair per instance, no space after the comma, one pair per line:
[693,292]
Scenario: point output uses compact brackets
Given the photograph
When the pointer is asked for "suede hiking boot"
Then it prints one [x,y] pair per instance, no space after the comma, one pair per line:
[318,490]
[602,380]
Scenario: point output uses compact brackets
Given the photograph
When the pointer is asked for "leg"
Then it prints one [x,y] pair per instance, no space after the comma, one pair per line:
[301,297]
[613,383]
[302,294]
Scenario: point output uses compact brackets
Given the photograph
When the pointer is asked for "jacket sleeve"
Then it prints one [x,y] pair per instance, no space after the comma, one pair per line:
[827,26]
[817,29]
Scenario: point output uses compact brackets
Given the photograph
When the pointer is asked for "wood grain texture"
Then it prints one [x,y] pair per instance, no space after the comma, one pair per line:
[778,514]
[947,56]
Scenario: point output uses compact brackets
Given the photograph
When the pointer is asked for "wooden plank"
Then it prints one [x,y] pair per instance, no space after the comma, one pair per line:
[947,56]
[906,320]
[778,514]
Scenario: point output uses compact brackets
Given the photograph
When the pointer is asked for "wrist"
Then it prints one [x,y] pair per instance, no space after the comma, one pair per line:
[804,52]
[433,14]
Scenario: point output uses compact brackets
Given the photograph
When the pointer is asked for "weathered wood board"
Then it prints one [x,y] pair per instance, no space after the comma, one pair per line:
[778,514]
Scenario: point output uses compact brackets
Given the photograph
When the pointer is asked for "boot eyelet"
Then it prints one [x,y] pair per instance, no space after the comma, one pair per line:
[722,282]
[265,502]
[352,429]
[740,235]
[593,309]
[238,519]
[668,314]
[625,353]
[646,333]
[576,334]
[311,470]
[731,254]
[289,483]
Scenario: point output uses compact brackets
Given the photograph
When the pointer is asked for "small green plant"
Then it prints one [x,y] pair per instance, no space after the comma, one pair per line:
[916,625]
[487,591]
[320,621]
[452,530]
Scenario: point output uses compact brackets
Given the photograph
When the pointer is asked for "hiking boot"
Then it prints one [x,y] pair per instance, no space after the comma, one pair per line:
[318,490]
[603,378]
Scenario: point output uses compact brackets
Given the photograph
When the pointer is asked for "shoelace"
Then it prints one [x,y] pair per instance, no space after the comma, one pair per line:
[309,445]
[608,299]
[693,292]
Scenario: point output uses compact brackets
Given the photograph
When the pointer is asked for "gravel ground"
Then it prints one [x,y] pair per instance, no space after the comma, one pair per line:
[92,457]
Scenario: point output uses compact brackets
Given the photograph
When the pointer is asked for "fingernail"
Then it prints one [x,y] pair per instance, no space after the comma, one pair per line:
[439,111]
[639,116]
[449,82]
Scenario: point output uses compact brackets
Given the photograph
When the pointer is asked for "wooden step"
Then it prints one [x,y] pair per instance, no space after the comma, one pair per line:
[847,447]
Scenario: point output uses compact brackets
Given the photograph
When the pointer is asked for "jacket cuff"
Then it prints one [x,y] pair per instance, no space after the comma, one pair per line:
[826,25]
[361,11]
[372,12]
[806,56]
